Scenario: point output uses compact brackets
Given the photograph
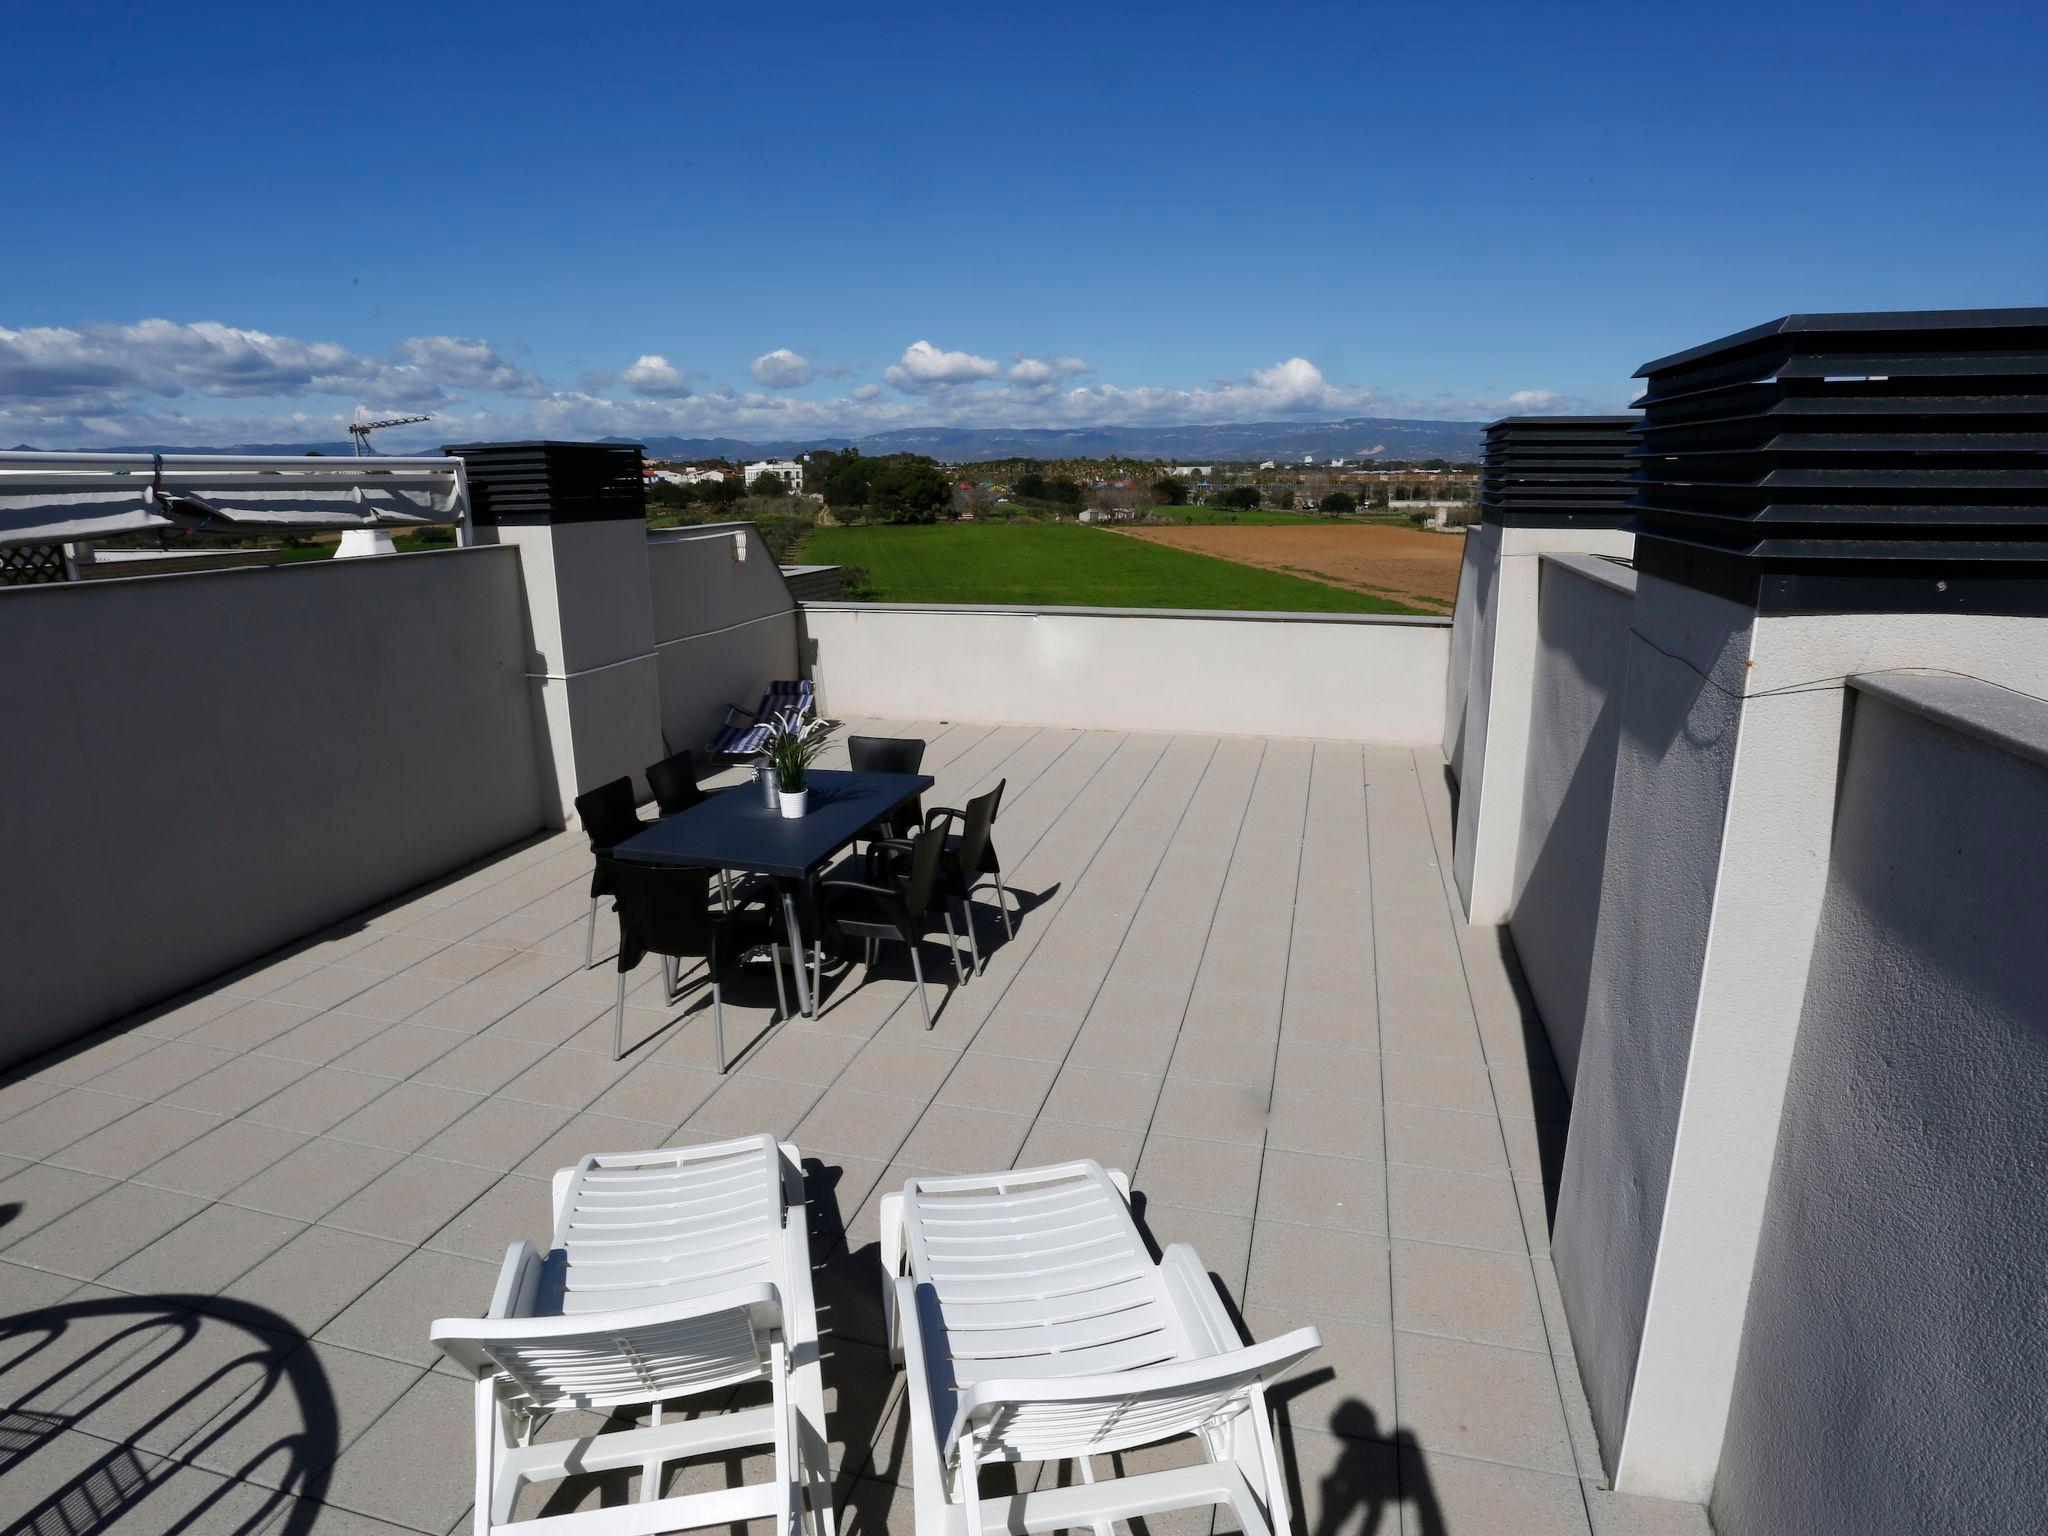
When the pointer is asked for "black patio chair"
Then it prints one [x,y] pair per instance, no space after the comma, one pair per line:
[968,858]
[665,909]
[886,906]
[610,814]
[889,754]
[674,782]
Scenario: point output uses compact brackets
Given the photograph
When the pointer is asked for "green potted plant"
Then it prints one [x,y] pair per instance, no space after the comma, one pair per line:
[794,741]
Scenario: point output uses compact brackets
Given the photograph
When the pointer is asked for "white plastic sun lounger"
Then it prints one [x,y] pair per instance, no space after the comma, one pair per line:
[673,1273]
[1034,1326]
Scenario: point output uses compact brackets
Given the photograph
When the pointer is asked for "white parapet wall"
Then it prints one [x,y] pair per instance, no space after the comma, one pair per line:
[1339,677]
[202,767]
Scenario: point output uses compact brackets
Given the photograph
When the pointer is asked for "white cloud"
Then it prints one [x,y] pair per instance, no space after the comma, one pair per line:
[166,358]
[924,367]
[781,369]
[462,363]
[654,377]
[167,382]
[1039,372]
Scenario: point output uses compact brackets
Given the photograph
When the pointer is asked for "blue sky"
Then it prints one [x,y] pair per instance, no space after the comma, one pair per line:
[232,224]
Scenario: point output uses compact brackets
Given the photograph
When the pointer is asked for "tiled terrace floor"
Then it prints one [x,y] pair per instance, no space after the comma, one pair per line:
[226,1223]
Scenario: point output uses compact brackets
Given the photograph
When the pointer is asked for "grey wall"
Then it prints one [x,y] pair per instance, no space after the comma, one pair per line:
[1481,541]
[723,627]
[1895,1350]
[1481,577]
[1583,609]
[199,768]
[1673,766]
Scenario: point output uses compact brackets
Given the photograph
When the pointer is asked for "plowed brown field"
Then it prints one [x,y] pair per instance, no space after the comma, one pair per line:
[1405,564]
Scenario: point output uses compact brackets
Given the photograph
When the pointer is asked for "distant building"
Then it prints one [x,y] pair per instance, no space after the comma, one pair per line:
[788,469]
[1194,471]
[699,476]
[1269,464]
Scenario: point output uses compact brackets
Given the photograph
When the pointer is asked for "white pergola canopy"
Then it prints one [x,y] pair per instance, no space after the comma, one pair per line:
[57,498]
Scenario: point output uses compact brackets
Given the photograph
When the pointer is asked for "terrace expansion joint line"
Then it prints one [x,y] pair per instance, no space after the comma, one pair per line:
[1207,933]
[1109,833]
[1386,1151]
[1179,821]
[1500,1128]
[1077,738]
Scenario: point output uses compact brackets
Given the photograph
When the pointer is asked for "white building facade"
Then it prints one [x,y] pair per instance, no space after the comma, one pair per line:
[789,469]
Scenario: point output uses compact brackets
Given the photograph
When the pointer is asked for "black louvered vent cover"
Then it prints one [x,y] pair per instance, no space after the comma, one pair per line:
[512,483]
[1558,471]
[1858,462]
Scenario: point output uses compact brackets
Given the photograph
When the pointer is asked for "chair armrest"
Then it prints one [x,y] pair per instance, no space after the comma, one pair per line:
[474,1342]
[1201,1310]
[921,1389]
[738,709]
[762,1298]
[941,813]
[860,885]
[518,1281]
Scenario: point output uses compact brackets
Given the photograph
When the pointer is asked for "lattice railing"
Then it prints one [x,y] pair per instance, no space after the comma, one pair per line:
[29,565]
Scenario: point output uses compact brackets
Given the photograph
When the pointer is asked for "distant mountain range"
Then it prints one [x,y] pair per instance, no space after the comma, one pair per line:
[1359,437]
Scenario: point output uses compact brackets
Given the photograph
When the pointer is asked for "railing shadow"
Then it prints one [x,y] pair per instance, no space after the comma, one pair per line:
[62,1364]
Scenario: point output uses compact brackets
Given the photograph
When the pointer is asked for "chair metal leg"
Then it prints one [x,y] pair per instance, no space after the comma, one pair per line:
[817,970]
[670,976]
[796,950]
[973,944]
[589,933]
[1003,906]
[619,1021]
[717,1009]
[917,970]
[952,945]
[781,997]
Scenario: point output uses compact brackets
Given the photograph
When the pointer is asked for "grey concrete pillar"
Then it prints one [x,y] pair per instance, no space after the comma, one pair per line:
[576,512]
[1821,496]
[1553,485]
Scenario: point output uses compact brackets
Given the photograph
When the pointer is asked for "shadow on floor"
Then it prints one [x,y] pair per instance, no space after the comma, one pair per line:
[845,973]
[96,1365]
[1553,1117]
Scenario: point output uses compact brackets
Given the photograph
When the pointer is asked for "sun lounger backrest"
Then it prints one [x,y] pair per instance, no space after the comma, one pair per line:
[787,694]
[632,1228]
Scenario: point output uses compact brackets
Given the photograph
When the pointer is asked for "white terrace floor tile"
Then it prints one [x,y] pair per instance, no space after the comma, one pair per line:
[1215,942]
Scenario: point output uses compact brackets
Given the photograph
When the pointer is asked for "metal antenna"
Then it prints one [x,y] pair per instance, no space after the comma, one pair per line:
[360,429]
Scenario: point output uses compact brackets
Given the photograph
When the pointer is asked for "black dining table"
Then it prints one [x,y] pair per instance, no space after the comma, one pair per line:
[734,830]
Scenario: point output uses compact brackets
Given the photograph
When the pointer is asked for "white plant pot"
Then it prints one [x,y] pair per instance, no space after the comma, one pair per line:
[795,802]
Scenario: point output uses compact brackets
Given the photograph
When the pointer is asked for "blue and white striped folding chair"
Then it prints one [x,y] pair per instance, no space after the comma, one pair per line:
[734,741]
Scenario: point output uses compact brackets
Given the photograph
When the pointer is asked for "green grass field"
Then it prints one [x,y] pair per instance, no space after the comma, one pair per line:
[1065,565]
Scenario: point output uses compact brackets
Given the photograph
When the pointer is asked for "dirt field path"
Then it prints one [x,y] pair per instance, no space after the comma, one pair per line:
[1405,564]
